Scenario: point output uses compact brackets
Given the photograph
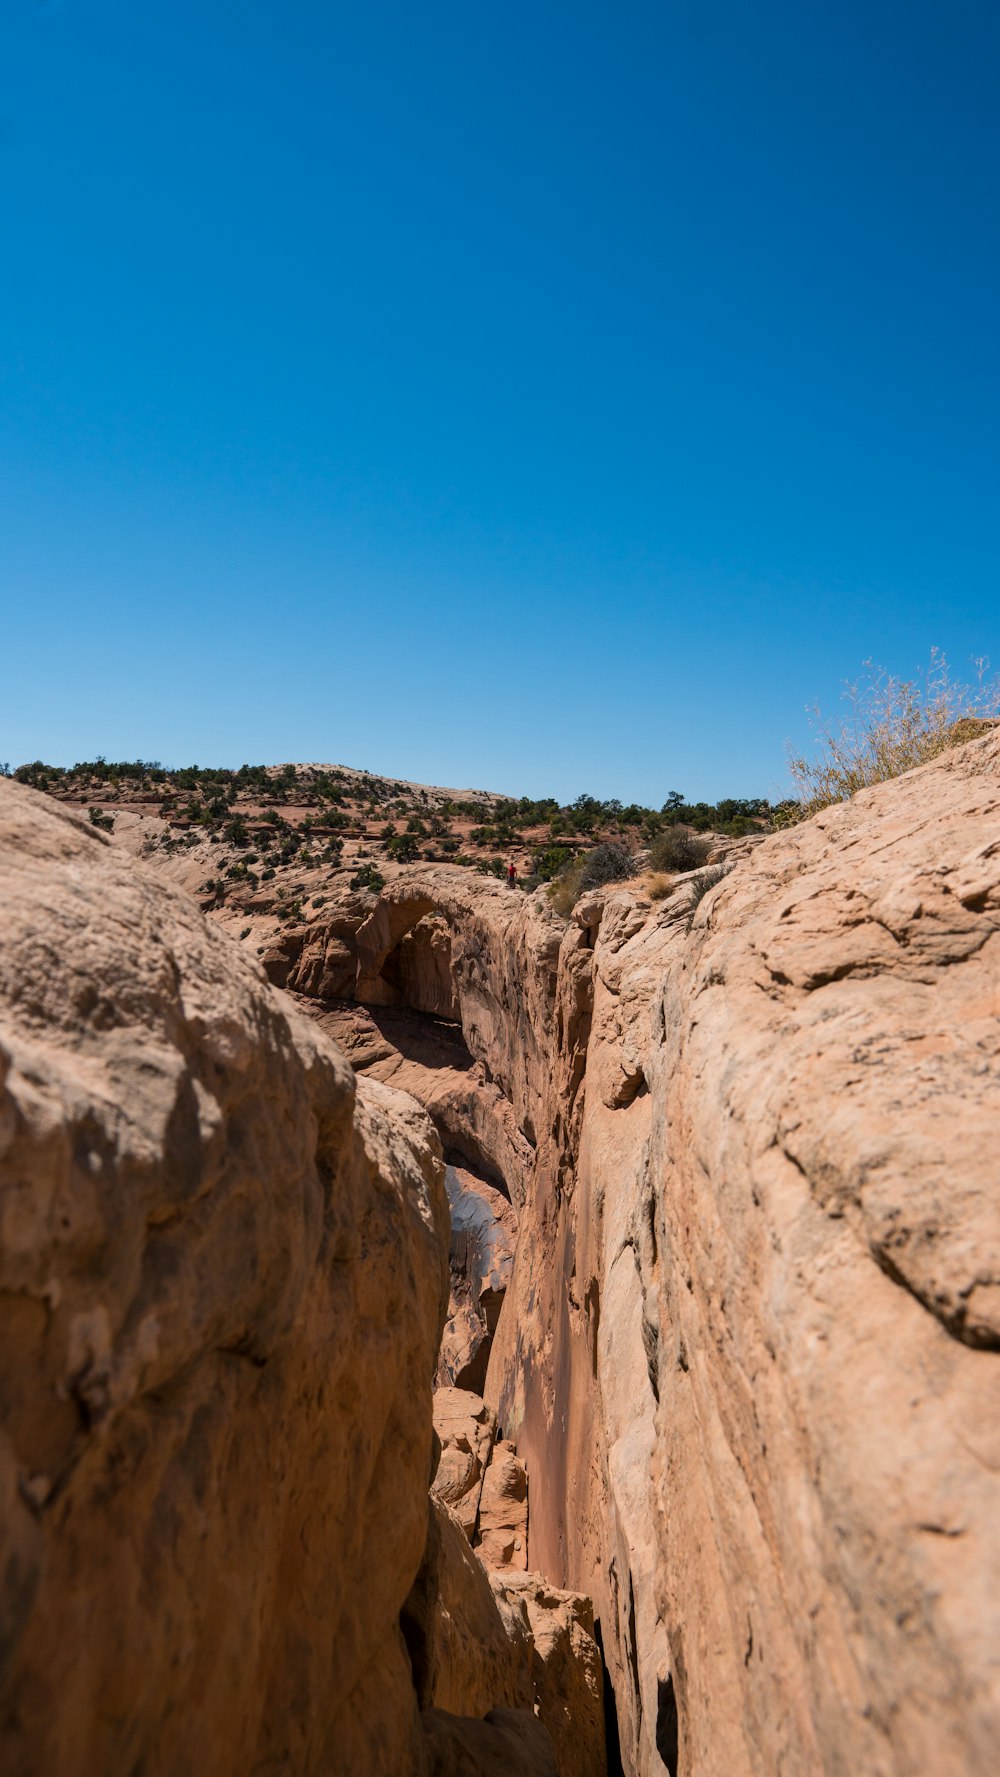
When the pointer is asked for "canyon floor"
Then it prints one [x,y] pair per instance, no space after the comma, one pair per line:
[441,1335]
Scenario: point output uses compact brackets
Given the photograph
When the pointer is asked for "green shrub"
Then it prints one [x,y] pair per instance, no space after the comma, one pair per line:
[404,848]
[368,877]
[547,864]
[678,849]
[606,863]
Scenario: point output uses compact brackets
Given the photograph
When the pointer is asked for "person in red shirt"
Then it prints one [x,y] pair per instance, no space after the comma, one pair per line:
[511,874]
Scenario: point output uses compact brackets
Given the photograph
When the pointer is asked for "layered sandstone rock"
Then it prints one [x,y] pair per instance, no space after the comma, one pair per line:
[216,1441]
[747,1353]
[223,1276]
[480,1260]
[502,1537]
[504,1742]
[466,1430]
[468,1655]
[773,1367]
[748,1346]
[566,1669]
[506,1641]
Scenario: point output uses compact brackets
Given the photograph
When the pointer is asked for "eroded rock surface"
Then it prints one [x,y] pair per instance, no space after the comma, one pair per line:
[480,1258]
[503,1509]
[748,1346]
[467,1430]
[747,1357]
[769,1345]
[216,1443]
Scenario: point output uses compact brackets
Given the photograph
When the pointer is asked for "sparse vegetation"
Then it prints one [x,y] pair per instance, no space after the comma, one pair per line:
[678,848]
[659,887]
[701,884]
[606,863]
[304,818]
[368,877]
[403,848]
[893,725]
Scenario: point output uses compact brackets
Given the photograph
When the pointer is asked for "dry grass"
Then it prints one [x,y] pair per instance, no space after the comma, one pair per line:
[564,890]
[893,725]
[658,887]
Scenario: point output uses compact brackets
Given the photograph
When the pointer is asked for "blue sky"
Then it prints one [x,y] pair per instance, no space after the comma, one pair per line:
[547,397]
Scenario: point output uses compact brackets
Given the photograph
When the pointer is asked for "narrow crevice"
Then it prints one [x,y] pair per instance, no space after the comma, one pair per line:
[612,1732]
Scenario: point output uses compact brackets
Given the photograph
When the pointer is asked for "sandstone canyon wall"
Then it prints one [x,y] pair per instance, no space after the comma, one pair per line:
[223,1278]
[748,1347]
[725,1278]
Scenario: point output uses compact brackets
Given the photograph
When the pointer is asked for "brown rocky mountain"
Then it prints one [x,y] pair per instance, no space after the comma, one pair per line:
[661,1241]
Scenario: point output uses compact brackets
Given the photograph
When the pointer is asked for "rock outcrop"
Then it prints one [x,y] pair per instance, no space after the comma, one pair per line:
[747,1352]
[216,1442]
[743,1381]
[481,1256]
[223,1278]
[764,1379]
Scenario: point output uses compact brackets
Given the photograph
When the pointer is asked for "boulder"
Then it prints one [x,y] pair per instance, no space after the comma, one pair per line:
[505,1743]
[503,1509]
[466,1429]
[483,1238]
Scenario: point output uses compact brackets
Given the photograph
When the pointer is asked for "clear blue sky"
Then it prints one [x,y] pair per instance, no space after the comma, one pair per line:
[545,397]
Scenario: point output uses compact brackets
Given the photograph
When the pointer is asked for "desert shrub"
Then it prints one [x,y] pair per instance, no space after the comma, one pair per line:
[659,887]
[98,818]
[547,863]
[606,863]
[404,848]
[678,849]
[892,726]
[37,773]
[368,877]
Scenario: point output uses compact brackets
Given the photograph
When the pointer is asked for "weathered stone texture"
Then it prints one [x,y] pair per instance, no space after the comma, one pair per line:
[222,1280]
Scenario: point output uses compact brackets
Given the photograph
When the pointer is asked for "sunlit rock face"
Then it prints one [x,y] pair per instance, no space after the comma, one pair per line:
[224,1272]
[741,1388]
[216,1444]
[748,1346]
[481,1255]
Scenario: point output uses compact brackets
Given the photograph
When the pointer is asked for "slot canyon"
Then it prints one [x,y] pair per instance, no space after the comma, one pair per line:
[466,1339]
